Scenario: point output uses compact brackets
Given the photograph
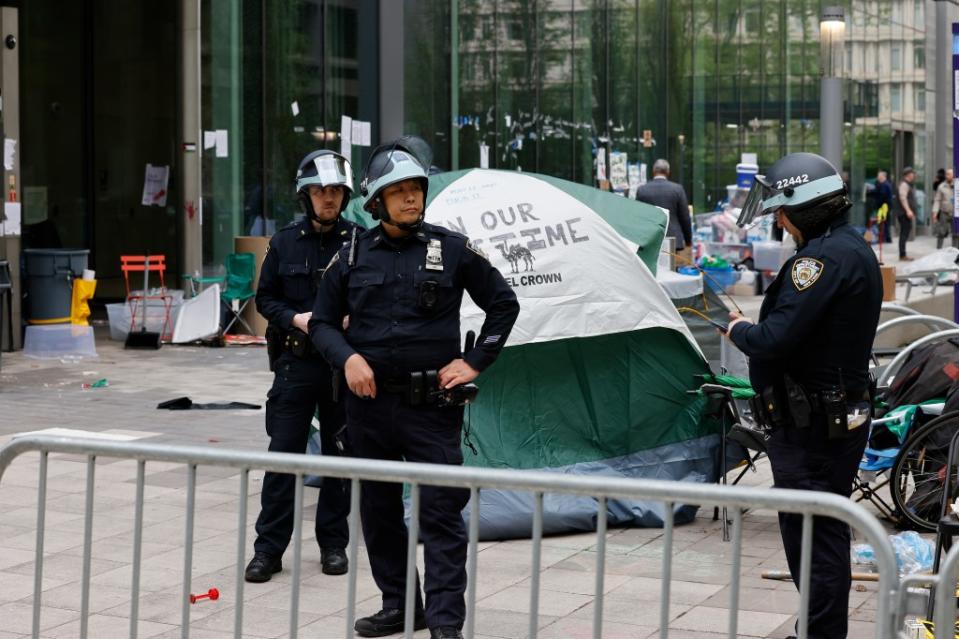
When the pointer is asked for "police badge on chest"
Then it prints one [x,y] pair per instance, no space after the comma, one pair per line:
[429,289]
[434,256]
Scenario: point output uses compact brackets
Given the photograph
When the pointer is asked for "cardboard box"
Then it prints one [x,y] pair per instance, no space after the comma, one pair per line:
[888,283]
[256,245]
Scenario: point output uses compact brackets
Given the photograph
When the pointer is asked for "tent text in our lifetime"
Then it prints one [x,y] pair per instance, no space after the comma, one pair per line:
[506,221]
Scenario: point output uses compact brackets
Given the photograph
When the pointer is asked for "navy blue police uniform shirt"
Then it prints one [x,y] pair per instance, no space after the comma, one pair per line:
[819,317]
[388,326]
[288,275]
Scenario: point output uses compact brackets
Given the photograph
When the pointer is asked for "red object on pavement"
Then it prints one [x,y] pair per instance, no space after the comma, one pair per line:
[212,594]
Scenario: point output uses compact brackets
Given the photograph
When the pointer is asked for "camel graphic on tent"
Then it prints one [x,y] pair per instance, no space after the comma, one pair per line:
[515,254]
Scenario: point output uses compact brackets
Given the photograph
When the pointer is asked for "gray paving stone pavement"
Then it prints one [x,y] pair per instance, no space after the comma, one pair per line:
[36,395]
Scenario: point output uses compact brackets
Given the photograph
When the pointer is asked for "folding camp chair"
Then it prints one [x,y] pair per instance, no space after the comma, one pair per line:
[874,471]
[240,272]
[147,264]
[196,283]
[892,458]
[738,430]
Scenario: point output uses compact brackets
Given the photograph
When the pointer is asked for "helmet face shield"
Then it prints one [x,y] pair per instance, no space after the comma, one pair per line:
[325,168]
[332,169]
[795,183]
[753,207]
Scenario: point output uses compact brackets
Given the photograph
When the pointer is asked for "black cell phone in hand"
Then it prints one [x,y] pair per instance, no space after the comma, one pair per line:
[723,328]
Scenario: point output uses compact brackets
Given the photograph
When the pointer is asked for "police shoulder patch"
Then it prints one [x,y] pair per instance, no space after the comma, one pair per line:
[806,272]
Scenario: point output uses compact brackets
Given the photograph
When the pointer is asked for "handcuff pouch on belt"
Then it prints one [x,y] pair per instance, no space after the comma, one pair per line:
[783,405]
[769,409]
[799,403]
[298,343]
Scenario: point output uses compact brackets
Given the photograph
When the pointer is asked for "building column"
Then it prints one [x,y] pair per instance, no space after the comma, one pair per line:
[946,14]
[831,121]
[392,97]
[191,210]
[10,90]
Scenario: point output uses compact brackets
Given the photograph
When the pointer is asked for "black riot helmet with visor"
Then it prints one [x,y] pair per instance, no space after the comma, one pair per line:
[797,184]
[406,158]
[323,168]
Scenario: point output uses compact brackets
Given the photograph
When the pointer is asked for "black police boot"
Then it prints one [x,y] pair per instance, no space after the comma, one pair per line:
[262,567]
[388,621]
[445,632]
[334,561]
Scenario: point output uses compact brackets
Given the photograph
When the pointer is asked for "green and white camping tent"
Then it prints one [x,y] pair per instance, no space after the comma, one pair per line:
[594,377]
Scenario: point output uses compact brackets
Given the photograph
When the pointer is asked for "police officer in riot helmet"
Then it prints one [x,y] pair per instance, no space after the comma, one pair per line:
[401,283]
[808,361]
[303,384]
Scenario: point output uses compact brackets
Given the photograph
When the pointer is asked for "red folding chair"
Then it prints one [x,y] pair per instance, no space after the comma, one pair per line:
[146,264]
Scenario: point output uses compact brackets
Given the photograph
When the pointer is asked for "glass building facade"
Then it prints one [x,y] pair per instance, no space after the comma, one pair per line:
[277,77]
[546,83]
[542,85]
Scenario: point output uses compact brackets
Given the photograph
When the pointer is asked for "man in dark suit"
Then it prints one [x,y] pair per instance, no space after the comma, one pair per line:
[669,195]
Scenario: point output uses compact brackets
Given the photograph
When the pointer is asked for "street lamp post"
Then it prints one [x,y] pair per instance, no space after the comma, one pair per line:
[832,28]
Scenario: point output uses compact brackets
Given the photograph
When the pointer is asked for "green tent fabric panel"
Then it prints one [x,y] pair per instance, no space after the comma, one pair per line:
[633,398]
[641,223]
[354,213]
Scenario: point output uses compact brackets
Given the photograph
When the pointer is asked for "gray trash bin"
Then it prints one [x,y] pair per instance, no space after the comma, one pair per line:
[49,275]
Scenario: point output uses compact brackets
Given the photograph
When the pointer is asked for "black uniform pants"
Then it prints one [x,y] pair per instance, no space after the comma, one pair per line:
[301,387]
[806,459]
[388,428]
[905,228]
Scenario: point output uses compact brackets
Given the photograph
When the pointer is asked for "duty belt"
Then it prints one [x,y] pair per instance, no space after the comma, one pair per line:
[789,405]
[815,399]
[422,387]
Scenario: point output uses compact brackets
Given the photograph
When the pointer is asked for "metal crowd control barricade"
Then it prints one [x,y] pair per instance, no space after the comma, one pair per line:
[945,584]
[735,498]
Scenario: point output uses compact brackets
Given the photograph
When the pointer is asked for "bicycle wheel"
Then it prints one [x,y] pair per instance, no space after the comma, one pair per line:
[918,475]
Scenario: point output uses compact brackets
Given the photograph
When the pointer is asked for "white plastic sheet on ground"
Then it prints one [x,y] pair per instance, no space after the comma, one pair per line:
[942,260]
[199,317]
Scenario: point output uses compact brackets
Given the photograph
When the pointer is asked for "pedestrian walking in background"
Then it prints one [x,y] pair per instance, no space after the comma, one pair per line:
[904,205]
[940,178]
[943,212]
[660,191]
[882,203]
